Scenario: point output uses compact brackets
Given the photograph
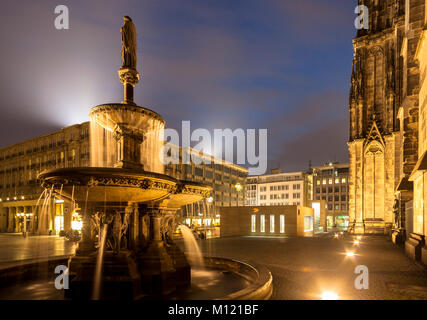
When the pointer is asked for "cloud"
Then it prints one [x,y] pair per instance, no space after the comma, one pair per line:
[316,129]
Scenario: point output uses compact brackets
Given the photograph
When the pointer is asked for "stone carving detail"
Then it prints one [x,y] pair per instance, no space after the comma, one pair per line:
[116,230]
[357,80]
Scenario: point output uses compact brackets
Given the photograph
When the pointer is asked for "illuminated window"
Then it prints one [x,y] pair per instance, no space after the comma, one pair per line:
[253,223]
[308,223]
[330,180]
[343,180]
[282,223]
[318,182]
[324,181]
[271,223]
[337,180]
[262,223]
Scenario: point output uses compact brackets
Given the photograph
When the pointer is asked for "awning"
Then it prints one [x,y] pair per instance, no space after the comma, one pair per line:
[420,167]
[405,185]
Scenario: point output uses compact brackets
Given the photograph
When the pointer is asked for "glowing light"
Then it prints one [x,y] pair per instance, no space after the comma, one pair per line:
[14,198]
[7,199]
[218,215]
[359,237]
[210,199]
[76,223]
[356,242]
[238,187]
[59,201]
[22,197]
[350,254]
[336,235]
[329,295]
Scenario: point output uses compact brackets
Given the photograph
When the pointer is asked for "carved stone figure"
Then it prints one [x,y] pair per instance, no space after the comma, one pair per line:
[118,230]
[128,33]
[396,213]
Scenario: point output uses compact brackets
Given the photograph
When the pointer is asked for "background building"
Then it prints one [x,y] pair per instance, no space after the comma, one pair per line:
[268,221]
[226,179]
[21,200]
[20,164]
[279,189]
[330,183]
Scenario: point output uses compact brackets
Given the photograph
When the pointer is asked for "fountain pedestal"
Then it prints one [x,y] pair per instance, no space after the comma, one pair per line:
[154,262]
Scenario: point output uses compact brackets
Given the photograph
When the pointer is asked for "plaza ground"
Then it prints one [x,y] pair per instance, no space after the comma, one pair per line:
[302,268]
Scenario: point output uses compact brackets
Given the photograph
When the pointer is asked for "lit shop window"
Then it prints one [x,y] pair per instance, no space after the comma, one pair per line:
[330,180]
[271,223]
[262,223]
[337,180]
[282,223]
[324,181]
[308,223]
[318,182]
[253,223]
[343,180]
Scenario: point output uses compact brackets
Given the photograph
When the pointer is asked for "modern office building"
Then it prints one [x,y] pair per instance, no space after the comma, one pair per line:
[226,179]
[330,183]
[279,189]
[21,199]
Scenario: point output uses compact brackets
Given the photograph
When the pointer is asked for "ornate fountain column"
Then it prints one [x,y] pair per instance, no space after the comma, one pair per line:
[128,148]
[129,77]
[155,264]
[86,245]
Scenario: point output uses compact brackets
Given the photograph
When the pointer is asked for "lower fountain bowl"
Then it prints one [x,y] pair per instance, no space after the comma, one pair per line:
[221,279]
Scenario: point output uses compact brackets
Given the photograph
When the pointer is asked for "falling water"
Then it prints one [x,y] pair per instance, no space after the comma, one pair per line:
[192,247]
[104,145]
[98,271]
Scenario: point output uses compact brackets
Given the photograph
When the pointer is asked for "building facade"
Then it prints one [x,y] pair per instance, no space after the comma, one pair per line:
[226,179]
[415,245]
[330,184]
[279,189]
[20,192]
[24,207]
[383,114]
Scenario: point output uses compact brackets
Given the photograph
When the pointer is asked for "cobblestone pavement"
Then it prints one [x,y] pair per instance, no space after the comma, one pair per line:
[15,247]
[303,268]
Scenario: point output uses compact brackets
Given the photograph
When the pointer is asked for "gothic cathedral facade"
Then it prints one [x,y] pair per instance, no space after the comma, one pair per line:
[383,103]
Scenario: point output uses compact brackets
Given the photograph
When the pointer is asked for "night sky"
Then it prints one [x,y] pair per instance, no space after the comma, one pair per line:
[283,65]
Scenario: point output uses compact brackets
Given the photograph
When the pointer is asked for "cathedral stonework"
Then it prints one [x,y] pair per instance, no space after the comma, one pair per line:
[383,107]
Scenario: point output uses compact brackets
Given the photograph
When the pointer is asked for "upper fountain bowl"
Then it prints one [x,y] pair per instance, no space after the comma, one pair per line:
[113,115]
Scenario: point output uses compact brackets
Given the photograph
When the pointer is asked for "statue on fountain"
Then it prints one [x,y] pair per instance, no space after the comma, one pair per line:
[127,73]
[128,33]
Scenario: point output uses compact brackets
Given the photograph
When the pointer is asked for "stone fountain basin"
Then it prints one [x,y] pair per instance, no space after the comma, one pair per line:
[122,185]
[34,280]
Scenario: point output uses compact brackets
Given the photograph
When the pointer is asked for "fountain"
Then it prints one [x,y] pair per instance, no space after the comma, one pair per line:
[129,206]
